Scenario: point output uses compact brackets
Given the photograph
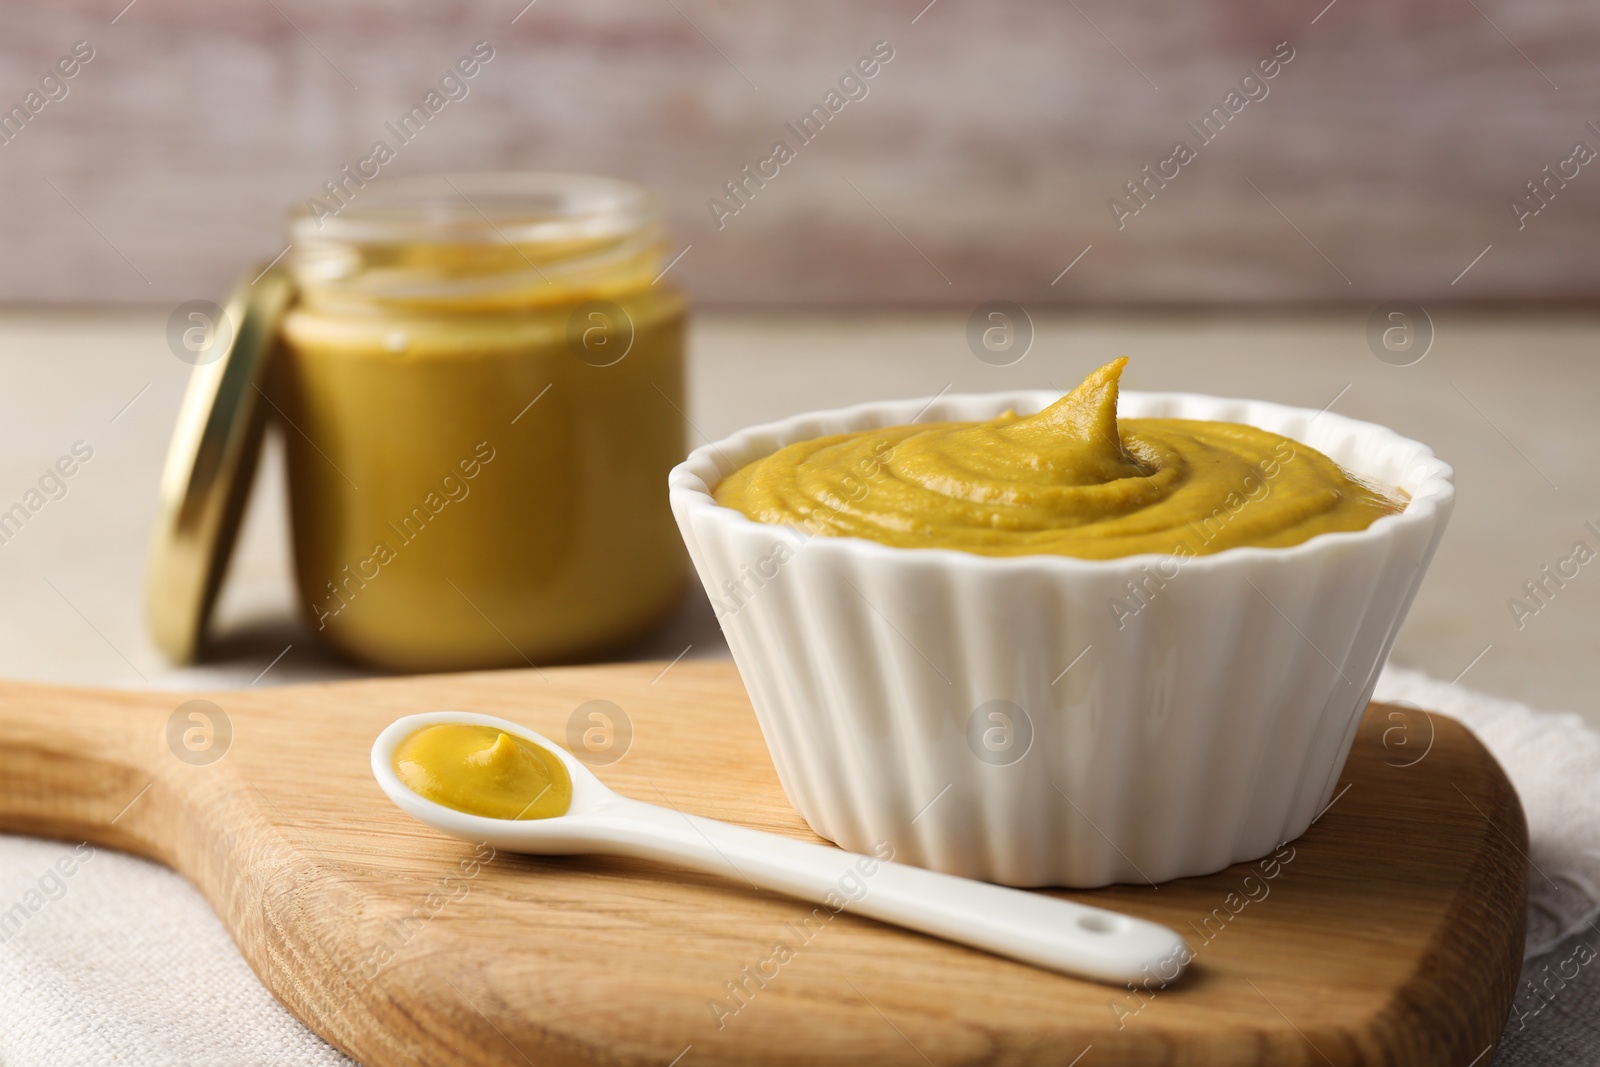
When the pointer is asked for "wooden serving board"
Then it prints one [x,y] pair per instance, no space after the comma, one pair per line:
[1389,934]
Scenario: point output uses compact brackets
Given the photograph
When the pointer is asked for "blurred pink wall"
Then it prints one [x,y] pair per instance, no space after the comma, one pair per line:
[979,164]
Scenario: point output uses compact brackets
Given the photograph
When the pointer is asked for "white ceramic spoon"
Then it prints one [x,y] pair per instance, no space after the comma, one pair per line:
[1047,932]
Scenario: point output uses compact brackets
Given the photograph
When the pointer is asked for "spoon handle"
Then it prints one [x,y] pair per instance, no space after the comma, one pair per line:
[1046,931]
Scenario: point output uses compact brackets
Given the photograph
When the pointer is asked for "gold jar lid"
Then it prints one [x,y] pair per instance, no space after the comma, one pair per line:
[211,461]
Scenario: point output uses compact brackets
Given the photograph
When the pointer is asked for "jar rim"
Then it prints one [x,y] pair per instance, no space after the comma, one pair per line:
[490,207]
[496,237]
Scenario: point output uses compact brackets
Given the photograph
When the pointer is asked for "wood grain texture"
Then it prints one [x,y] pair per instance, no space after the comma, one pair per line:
[1389,934]
[982,158]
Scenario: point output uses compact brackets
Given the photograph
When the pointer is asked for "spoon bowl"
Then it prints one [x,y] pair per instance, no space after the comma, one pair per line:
[570,833]
[1048,932]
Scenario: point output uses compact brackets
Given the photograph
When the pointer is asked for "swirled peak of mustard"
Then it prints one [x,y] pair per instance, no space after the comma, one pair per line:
[483,770]
[1071,480]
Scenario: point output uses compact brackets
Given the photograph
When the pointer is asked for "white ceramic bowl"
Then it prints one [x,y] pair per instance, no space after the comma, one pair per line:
[998,718]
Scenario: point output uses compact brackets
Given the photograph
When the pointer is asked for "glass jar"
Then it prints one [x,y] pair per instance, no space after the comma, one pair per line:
[483,386]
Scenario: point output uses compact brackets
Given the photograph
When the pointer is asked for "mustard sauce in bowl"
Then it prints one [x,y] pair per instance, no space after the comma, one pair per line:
[1071,480]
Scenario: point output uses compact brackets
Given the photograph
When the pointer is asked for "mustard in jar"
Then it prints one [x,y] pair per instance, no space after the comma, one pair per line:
[482,392]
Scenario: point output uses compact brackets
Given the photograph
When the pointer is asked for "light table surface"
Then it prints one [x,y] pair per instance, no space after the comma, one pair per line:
[1509,398]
